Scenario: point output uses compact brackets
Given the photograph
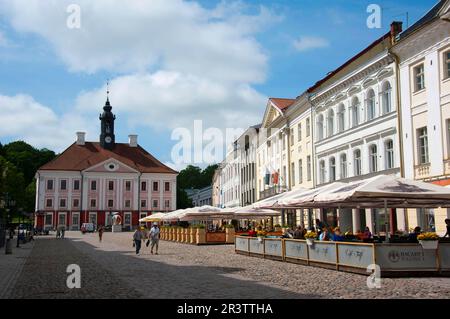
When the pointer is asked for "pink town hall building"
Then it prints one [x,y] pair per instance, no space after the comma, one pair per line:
[93,181]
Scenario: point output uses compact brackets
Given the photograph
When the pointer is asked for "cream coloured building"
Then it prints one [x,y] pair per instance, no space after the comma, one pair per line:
[423,52]
[272,153]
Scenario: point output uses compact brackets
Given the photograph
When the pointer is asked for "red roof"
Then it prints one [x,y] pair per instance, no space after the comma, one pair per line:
[81,157]
[282,104]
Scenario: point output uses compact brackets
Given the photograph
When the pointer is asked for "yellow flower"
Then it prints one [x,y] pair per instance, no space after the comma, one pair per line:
[428,236]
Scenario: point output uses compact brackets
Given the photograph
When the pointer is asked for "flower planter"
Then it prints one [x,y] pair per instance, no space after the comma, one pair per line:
[201,236]
[230,235]
[429,244]
[193,236]
[186,236]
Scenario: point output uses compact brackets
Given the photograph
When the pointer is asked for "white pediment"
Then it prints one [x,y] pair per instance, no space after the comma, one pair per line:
[111,165]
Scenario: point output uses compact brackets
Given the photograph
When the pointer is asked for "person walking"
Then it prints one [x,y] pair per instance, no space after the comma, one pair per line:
[63,231]
[154,238]
[100,233]
[137,240]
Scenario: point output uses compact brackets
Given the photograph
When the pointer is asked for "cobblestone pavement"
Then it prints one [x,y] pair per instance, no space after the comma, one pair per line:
[44,274]
[111,270]
[11,267]
[186,271]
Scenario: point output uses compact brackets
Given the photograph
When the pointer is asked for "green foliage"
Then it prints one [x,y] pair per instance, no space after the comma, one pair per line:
[19,162]
[195,177]
[183,201]
[26,158]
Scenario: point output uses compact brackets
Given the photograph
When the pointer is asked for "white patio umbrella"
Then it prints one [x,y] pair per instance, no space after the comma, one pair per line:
[205,213]
[305,199]
[271,202]
[384,189]
[153,218]
[250,212]
[173,216]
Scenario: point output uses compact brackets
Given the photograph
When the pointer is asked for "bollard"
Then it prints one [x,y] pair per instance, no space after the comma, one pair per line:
[8,247]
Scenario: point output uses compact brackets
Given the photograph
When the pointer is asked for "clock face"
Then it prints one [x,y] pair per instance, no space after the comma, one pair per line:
[108,139]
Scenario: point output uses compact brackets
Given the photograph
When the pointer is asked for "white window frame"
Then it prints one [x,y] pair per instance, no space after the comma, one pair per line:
[419,77]
[422,146]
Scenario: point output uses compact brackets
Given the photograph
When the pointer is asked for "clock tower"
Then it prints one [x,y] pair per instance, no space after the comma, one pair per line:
[107,137]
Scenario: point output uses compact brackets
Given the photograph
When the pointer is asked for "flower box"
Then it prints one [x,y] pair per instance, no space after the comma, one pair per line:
[429,244]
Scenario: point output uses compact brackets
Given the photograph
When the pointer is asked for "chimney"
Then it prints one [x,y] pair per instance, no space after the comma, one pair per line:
[81,138]
[396,29]
[133,140]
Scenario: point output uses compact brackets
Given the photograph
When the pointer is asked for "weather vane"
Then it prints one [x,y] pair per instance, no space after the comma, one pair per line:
[107,88]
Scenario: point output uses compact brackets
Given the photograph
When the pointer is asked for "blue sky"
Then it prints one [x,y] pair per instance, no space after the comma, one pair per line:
[170,62]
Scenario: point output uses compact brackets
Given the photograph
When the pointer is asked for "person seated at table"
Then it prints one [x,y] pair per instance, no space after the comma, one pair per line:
[367,235]
[288,233]
[359,234]
[252,233]
[447,223]
[412,237]
[298,233]
[324,236]
[337,235]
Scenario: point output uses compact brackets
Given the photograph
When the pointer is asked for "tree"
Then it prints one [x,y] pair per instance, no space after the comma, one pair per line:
[12,183]
[195,177]
[26,158]
[183,200]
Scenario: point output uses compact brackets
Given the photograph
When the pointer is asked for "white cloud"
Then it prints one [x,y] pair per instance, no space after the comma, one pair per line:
[135,35]
[175,62]
[25,119]
[167,100]
[307,43]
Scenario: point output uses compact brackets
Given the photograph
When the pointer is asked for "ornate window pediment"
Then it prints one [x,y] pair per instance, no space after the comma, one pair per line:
[368,81]
[353,89]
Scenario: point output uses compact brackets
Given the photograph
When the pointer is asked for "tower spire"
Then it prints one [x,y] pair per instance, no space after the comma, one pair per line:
[107,90]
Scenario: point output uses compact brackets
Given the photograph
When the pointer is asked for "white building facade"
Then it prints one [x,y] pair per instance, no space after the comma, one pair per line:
[423,52]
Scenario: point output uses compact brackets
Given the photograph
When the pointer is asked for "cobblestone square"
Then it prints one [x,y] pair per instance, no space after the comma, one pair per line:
[111,269]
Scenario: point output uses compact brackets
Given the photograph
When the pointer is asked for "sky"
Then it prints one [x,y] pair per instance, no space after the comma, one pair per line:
[170,63]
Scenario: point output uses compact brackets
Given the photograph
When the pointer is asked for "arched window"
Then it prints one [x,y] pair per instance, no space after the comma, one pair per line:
[330,124]
[332,169]
[357,163]
[320,127]
[389,154]
[343,161]
[370,105]
[341,118]
[355,112]
[386,97]
[322,172]
[373,158]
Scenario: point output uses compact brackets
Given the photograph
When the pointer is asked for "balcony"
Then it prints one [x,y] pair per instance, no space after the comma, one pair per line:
[272,191]
[422,171]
